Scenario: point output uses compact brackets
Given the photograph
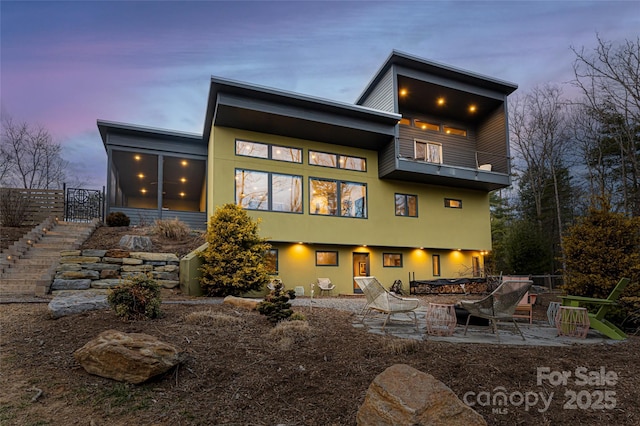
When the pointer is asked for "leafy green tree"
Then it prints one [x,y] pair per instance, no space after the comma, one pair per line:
[602,248]
[502,215]
[526,249]
[234,260]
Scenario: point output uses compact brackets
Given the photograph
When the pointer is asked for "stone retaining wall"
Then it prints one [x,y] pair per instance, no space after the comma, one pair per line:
[103,269]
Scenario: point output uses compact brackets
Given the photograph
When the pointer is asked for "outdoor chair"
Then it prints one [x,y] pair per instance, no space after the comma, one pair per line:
[524,308]
[324,284]
[598,320]
[500,305]
[380,300]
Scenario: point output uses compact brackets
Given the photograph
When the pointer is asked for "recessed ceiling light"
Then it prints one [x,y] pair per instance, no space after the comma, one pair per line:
[403,92]
[137,157]
[440,101]
[140,175]
[183,162]
[472,108]
[182,194]
[183,180]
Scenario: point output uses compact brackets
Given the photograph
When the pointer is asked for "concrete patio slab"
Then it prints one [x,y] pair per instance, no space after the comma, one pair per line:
[536,334]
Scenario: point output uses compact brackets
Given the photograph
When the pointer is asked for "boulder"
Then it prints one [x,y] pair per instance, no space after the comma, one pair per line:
[69,303]
[64,284]
[135,242]
[127,357]
[240,302]
[402,395]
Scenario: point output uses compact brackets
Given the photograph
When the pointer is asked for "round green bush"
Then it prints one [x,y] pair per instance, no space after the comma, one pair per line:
[117,219]
[137,298]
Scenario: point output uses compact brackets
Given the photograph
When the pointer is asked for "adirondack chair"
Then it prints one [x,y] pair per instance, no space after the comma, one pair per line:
[380,300]
[597,319]
[500,305]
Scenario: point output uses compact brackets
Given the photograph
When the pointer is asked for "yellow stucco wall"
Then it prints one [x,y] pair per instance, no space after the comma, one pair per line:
[436,230]
[435,226]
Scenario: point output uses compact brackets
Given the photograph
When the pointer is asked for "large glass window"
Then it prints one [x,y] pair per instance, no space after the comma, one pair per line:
[273,152]
[268,191]
[327,195]
[430,152]
[406,205]
[337,161]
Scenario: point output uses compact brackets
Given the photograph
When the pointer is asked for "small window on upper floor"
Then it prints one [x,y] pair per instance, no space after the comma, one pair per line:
[337,161]
[406,205]
[425,125]
[454,131]
[405,122]
[452,203]
[272,152]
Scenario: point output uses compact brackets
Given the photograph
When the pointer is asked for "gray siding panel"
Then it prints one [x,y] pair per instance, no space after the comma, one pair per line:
[387,159]
[382,97]
[492,142]
[146,217]
[456,150]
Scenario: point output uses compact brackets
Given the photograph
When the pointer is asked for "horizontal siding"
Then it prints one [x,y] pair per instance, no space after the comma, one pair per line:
[146,217]
[382,96]
[457,151]
[32,205]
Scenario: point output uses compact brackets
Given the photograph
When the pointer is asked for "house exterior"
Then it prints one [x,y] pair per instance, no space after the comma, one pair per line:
[395,184]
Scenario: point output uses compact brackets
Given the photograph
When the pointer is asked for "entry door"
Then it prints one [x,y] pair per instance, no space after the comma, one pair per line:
[360,268]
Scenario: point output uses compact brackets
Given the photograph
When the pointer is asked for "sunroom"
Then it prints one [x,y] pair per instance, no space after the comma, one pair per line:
[155,174]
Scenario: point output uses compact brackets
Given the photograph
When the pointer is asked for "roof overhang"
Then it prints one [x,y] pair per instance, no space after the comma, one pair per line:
[437,70]
[124,129]
[266,110]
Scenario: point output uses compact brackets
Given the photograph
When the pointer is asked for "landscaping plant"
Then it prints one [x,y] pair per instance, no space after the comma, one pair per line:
[276,305]
[600,249]
[136,298]
[234,260]
[117,219]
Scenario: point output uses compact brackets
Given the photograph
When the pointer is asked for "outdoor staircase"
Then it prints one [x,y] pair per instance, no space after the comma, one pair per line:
[29,265]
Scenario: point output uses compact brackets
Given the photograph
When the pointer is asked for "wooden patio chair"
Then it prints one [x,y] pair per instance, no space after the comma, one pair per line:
[597,319]
[524,308]
[380,300]
[500,305]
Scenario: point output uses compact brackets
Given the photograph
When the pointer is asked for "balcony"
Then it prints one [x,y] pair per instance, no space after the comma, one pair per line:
[462,168]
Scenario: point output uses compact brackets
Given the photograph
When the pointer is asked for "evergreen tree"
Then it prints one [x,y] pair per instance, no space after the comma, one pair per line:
[234,260]
[526,250]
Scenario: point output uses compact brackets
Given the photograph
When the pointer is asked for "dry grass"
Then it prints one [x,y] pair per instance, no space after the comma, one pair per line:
[211,318]
[402,346]
[288,334]
[171,228]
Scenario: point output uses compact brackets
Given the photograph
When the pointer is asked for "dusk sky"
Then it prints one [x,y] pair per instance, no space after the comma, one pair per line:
[65,65]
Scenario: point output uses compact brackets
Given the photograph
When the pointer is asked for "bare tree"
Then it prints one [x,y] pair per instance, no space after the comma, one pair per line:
[31,158]
[538,129]
[609,79]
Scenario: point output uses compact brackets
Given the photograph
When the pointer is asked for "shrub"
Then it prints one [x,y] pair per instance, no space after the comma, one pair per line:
[288,334]
[171,228]
[297,316]
[276,305]
[13,207]
[234,261]
[117,219]
[137,298]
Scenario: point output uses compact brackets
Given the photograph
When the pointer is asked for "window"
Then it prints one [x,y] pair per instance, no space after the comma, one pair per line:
[268,191]
[326,258]
[273,152]
[405,122]
[425,125]
[452,203]
[435,264]
[336,161]
[271,261]
[392,260]
[406,205]
[428,151]
[454,131]
[335,198]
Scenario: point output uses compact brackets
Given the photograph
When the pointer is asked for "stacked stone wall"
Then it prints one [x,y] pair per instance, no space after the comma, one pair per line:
[103,269]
